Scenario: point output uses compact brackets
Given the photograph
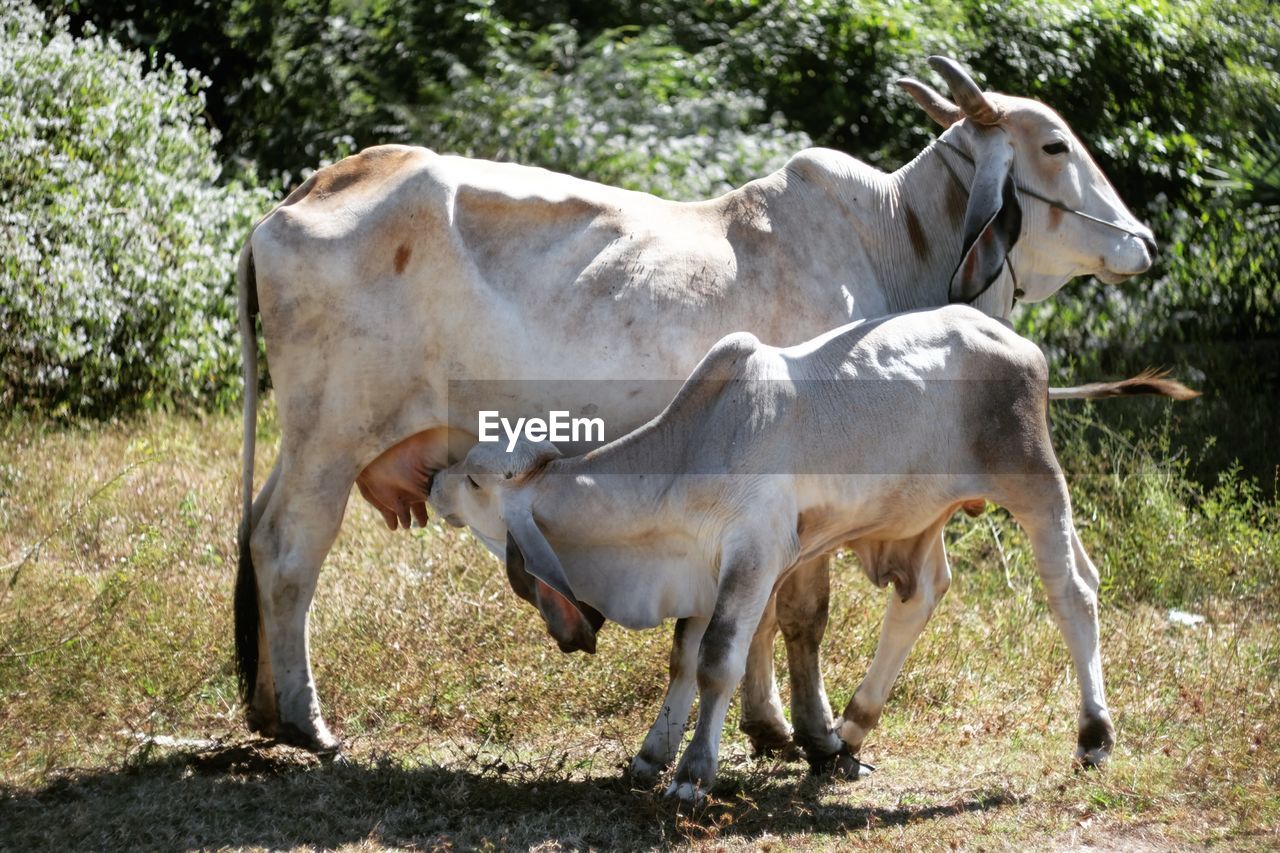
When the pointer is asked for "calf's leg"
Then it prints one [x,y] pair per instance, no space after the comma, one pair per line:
[744,590]
[799,608]
[763,720]
[1071,585]
[663,741]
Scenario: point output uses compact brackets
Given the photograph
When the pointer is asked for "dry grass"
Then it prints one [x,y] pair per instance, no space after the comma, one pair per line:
[466,728]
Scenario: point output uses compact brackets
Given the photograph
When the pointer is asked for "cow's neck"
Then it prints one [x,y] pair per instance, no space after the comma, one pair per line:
[923,205]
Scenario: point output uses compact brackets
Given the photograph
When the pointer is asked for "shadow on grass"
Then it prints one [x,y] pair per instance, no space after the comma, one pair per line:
[273,797]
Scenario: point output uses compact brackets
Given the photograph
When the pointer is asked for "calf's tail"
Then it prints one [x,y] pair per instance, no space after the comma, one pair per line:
[1148,382]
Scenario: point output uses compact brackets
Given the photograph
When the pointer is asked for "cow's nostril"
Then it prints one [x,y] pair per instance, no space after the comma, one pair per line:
[1150,243]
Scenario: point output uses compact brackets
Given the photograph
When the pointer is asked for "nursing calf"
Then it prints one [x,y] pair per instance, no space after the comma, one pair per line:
[870,437]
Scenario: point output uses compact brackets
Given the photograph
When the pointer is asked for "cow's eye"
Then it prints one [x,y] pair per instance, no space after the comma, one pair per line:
[1055,148]
[472,483]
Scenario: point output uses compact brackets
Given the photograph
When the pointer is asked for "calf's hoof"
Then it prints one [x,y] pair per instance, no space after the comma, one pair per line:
[1094,743]
[844,764]
[644,772]
[685,792]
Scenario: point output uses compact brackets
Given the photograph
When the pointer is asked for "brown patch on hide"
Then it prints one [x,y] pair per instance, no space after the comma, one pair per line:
[957,201]
[859,716]
[373,165]
[919,242]
[402,257]
[1055,218]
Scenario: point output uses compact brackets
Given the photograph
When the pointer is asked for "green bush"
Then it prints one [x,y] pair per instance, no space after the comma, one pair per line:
[685,98]
[1159,535]
[1167,96]
[117,244]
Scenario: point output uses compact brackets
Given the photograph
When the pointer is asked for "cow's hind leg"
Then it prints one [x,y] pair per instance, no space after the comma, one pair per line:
[292,537]
[260,711]
[803,601]
[904,620]
[763,720]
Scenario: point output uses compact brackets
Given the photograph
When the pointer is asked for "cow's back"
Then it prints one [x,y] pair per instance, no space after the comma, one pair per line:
[397,271]
[914,411]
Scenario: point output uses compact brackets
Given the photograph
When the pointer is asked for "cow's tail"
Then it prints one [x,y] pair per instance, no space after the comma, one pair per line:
[246,595]
[1148,382]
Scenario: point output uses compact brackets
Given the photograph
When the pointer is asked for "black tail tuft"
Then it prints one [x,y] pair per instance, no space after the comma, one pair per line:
[246,607]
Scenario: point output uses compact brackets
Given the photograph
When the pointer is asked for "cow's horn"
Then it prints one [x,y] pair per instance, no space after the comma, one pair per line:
[964,91]
[931,101]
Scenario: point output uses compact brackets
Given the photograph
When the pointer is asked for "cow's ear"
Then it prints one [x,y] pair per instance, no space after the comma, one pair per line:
[992,223]
[551,592]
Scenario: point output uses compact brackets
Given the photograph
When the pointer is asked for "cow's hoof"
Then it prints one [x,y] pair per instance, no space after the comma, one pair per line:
[842,765]
[768,739]
[321,742]
[261,724]
[1093,746]
[644,772]
[1095,760]
[334,758]
[685,792]
[1092,759]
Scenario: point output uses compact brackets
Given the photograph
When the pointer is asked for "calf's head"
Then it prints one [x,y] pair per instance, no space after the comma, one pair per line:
[1032,180]
[492,491]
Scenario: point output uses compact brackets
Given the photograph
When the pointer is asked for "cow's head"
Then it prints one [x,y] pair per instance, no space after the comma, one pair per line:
[492,491]
[1023,154]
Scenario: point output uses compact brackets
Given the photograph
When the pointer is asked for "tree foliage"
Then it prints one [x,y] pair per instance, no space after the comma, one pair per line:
[116,241]
[684,99]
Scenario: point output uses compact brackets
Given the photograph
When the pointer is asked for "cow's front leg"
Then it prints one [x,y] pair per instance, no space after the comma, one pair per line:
[663,741]
[288,544]
[903,623]
[744,591]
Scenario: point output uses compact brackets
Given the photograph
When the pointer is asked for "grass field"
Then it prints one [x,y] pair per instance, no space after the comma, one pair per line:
[466,728]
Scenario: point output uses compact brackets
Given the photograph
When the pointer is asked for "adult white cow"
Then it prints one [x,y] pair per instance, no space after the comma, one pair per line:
[393,284]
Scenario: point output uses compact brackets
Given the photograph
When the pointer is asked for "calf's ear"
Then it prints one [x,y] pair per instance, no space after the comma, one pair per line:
[555,600]
[529,458]
[992,222]
[521,581]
